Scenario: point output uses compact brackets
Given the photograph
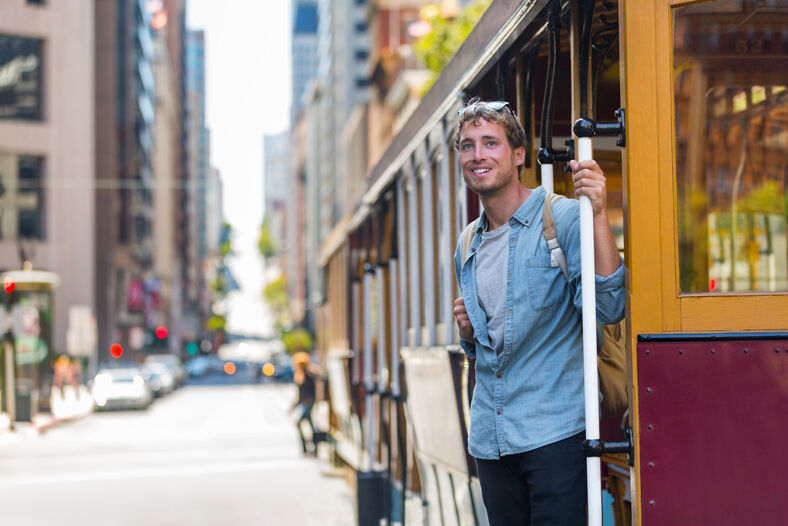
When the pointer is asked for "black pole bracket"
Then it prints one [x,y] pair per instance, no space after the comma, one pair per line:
[587,128]
[597,448]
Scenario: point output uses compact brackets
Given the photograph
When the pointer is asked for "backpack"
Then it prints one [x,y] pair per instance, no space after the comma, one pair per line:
[611,339]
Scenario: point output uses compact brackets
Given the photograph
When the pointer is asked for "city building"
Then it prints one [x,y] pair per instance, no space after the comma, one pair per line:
[124,52]
[198,159]
[277,185]
[47,170]
[165,196]
[303,52]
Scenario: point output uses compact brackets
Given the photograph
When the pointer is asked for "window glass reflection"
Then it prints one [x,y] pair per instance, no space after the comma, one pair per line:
[731,132]
[21,197]
[20,77]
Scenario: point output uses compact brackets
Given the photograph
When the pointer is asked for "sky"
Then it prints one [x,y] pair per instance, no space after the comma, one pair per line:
[247,80]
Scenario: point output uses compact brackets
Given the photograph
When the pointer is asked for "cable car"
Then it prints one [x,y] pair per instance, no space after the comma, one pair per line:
[688,105]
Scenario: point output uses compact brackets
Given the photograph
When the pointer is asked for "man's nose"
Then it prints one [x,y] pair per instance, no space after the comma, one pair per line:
[478,152]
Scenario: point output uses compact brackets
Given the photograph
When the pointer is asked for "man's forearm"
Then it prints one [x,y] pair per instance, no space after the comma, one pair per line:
[606,258]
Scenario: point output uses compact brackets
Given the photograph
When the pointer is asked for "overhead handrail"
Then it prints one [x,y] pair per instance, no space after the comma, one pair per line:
[547,156]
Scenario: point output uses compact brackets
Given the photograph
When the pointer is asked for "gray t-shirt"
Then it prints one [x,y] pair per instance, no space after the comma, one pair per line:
[492,260]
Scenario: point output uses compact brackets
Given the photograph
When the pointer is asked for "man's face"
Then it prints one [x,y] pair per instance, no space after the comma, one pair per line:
[489,165]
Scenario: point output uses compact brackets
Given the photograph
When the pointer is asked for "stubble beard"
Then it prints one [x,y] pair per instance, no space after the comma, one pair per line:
[501,181]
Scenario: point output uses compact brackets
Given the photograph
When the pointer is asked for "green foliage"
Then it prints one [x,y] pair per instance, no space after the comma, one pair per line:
[765,199]
[437,47]
[216,323]
[225,241]
[275,293]
[265,244]
[297,340]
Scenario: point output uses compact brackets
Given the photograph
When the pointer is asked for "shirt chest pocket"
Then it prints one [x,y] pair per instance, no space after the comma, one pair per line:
[546,284]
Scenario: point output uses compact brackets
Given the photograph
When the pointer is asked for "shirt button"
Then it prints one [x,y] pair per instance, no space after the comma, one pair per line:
[498,374]
[500,411]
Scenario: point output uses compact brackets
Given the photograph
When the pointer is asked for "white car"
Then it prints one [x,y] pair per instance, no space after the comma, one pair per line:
[162,381]
[121,388]
[172,362]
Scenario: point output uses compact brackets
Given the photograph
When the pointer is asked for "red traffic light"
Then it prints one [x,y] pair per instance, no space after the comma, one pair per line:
[116,350]
[161,332]
[9,285]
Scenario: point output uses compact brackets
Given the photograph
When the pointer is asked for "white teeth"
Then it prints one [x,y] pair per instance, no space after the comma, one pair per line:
[481,170]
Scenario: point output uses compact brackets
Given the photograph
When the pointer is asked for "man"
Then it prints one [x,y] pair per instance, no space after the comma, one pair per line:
[520,318]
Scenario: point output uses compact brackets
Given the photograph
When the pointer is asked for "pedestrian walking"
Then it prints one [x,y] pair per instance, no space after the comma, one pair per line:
[304,376]
[519,317]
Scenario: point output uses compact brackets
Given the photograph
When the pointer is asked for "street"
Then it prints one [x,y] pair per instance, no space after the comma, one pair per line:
[204,455]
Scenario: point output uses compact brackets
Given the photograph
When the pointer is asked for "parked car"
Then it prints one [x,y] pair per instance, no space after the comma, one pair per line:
[198,366]
[173,363]
[121,387]
[161,379]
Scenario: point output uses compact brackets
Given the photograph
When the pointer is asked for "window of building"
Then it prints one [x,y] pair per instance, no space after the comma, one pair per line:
[21,197]
[20,78]
[731,132]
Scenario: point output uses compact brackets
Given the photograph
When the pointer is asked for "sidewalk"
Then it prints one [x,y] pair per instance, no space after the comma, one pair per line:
[70,404]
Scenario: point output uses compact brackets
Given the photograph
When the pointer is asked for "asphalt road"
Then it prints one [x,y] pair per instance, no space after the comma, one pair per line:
[205,455]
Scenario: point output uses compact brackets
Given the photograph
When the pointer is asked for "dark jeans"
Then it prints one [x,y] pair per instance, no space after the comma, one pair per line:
[305,415]
[543,487]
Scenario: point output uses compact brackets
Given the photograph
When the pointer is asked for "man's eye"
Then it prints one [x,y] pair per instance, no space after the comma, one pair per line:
[465,146]
[491,144]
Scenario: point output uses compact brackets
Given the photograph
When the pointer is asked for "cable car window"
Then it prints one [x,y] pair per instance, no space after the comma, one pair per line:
[731,133]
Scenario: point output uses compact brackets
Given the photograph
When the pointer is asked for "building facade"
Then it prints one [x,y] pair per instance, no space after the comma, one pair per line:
[47,171]
[125,92]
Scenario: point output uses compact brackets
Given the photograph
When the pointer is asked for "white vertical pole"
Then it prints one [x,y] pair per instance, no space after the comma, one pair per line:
[401,327]
[447,251]
[383,372]
[414,262]
[394,327]
[591,384]
[369,384]
[547,177]
[355,301]
[428,248]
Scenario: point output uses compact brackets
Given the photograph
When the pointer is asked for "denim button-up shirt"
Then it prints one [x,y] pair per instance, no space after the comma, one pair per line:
[533,395]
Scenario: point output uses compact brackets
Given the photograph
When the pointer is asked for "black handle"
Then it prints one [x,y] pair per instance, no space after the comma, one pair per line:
[597,448]
[587,128]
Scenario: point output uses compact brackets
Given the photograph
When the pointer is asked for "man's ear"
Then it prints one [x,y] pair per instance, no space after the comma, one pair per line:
[519,155]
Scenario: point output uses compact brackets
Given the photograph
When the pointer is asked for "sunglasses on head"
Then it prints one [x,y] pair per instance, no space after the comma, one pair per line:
[495,105]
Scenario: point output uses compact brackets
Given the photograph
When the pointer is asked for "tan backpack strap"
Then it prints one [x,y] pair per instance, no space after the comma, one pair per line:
[467,237]
[548,221]
[557,256]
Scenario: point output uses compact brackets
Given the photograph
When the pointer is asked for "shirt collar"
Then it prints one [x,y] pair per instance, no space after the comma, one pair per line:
[527,211]
[525,214]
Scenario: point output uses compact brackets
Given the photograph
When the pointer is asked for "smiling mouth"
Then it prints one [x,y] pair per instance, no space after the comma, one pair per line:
[479,171]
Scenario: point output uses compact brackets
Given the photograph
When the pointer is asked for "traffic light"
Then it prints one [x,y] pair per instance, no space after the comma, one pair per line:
[9,285]
[161,332]
[191,348]
[116,350]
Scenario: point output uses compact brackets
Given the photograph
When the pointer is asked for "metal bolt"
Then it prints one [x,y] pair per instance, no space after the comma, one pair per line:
[777,350]
[652,503]
[681,351]
[714,351]
[648,389]
[651,464]
[648,351]
[746,351]
[650,427]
